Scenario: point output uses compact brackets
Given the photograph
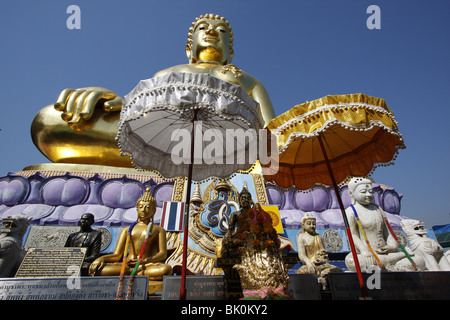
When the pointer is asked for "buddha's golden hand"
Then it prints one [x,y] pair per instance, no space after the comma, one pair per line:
[132,262]
[78,105]
[95,266]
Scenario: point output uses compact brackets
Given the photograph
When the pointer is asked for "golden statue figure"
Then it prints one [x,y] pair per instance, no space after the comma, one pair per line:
[155,250]
[252,239]
[238,226]
[82,125]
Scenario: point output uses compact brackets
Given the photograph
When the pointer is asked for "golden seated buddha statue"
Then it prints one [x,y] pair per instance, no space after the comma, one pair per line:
[130,244]
[82,125]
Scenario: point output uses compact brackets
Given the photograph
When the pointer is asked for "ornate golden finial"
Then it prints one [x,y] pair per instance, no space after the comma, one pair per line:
[222,185]
[244,190]
[197,195]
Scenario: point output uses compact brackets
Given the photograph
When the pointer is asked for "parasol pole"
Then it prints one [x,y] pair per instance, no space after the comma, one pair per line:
[186,214]
[344,216]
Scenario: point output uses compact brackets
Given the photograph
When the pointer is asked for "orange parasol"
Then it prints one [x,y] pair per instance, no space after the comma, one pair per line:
[358,132]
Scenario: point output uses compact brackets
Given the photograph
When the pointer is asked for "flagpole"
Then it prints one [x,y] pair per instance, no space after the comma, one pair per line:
[186,214]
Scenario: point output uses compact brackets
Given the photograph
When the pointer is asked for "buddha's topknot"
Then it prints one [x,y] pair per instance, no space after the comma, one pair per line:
[147,196]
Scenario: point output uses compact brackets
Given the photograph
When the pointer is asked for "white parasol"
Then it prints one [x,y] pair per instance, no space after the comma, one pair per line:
[172,122]
[159,112]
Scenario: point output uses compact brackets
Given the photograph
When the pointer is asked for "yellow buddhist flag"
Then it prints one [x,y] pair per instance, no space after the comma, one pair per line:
[275,215]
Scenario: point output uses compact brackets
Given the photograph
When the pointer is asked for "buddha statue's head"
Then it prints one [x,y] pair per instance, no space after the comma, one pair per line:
[146,206]
[309,223]
[245,197]
[210,39]
[360,190]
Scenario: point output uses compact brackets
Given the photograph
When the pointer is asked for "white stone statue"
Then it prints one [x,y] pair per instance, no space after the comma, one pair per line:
[375,246]
[422,245]
[11,248]
[312,252]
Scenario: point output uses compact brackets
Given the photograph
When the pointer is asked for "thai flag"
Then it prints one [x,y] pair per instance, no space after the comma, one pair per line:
[172,216]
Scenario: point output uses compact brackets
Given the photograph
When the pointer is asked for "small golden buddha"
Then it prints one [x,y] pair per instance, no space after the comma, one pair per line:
[82,125]
[238,226]
[155,250]
[312,252]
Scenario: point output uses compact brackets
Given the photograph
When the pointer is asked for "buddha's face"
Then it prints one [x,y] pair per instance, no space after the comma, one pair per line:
[363,194]
[145,209]
[309,226]
[245,200]
[211,41]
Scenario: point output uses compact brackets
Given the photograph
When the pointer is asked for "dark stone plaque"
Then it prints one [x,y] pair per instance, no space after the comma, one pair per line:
[50,262]
[426,285]
[304,287]
[72,288]
[197,288]
[232,278]
[56,237]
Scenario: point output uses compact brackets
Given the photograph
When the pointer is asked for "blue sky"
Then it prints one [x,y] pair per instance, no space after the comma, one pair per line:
[299,49]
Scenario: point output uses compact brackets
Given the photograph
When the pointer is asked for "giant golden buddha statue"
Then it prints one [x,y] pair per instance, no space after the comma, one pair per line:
[81,126]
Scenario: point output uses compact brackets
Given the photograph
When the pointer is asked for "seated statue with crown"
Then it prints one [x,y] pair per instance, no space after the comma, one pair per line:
[81,127]
[140,248]
[238,226]
[312,252]
[252,239]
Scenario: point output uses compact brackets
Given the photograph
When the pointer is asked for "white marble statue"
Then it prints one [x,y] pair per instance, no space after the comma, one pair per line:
[422,245]
[367,224]
[11,249]
[312,252]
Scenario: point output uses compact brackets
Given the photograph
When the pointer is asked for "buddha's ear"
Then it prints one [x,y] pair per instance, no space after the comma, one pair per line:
[189,53]
[352,197]
[350,193]
[230,57]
